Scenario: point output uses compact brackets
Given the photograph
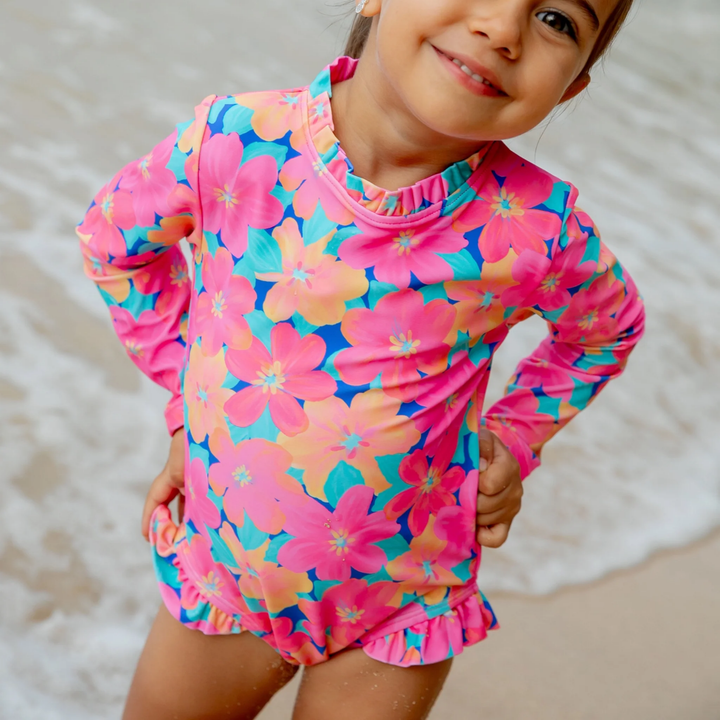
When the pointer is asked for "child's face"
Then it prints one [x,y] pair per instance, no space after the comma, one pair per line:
[532,51]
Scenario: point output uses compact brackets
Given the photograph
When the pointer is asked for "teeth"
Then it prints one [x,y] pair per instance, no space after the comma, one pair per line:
[469,72]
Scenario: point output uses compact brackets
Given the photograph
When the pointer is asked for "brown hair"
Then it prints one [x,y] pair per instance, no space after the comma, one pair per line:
[361,29]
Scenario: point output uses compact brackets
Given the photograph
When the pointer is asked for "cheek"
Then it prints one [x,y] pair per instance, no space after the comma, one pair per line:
[545,79]
[538,95]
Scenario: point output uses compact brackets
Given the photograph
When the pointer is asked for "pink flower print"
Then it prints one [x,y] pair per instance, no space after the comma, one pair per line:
[399,338]
[151,279]
[217,623]
[150,343]
[269,582]
[236,197]
[395,253]
[302,176]
[277,378]
[150,182]
[542,370]
[379,200]
[164,533]
[423,568]
[204,393]
[479,307]
[313,284]
[630,314]
[442,636]
[113,211]
[222,305]
[249,477]
[334,542]
[521,423]
[295,647]
[457,524]
[349,610]
[589,314]
[606,260]
[178,274]
[275,113]
[208,579]
[119,287]
[199,508]
[432,488]
[173,229]
[549,280]
[446,440]
[197,132]
[445,397]
[506,211]
[369,428]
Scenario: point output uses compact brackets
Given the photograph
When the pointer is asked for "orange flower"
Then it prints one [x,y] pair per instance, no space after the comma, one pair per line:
[369,428]
[204,393]
[311,283]
[262,580]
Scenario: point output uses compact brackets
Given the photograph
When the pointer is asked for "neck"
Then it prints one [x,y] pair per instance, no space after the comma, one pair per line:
[385,142]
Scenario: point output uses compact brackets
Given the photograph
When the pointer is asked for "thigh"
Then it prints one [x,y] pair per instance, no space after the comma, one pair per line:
[351,684]
[185,675]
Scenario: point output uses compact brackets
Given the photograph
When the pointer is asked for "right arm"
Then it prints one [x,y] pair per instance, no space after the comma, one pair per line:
[129,244]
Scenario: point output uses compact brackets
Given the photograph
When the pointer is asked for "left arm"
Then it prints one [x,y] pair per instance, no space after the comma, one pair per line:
[590,340]
[591,337]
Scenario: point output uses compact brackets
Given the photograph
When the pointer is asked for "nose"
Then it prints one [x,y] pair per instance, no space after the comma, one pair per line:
[501,23]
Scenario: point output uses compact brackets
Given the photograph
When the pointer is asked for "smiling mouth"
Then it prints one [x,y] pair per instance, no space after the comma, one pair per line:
[473,75]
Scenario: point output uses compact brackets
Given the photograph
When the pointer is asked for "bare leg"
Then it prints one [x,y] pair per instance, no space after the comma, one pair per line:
[353,685]
[185,675]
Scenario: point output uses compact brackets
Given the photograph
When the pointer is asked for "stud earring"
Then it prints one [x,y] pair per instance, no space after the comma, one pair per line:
[360,7]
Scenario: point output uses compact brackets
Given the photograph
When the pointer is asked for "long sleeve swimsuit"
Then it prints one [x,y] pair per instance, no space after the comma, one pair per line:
[328,360]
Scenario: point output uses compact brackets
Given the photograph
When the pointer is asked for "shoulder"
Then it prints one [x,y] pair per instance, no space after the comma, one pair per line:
[517,174]
[514,204]
[269,114]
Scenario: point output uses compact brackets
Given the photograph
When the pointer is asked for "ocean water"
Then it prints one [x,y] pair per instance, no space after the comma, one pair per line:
[86,86]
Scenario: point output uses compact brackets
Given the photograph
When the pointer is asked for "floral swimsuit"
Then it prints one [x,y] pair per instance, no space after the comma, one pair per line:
[328,360]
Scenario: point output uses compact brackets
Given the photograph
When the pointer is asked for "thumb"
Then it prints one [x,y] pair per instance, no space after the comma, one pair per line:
[487,448]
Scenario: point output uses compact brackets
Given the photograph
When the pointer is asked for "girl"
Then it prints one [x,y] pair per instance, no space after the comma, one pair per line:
[362,245]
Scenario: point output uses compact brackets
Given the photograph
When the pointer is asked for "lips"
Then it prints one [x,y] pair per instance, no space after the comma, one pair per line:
[487,76]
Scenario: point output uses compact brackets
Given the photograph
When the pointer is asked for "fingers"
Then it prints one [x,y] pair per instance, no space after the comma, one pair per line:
[505,514]
[493,536]
[176,457]
[500,490]
[511,496]
[161,492]
[502,471]
[487,448]
[168,484]
[181,507]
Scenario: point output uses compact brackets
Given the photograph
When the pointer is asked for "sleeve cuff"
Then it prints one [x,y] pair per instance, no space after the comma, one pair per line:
[175,414]
[523,453]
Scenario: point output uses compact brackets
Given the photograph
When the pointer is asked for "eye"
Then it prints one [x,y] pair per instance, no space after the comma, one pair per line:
[558,21]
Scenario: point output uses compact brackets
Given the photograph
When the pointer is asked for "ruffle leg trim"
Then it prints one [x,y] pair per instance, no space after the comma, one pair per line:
[439,638]
[180,595]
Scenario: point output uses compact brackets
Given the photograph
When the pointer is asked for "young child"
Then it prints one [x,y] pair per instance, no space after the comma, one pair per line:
[362,246]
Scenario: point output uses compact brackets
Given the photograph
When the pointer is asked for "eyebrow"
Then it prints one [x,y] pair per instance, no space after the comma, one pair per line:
[589,11]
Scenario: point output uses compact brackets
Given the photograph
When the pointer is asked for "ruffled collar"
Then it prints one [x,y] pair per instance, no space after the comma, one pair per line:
[403,201]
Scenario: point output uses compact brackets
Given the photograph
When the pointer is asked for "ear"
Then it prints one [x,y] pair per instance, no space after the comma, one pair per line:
[575,88]
[371,8]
